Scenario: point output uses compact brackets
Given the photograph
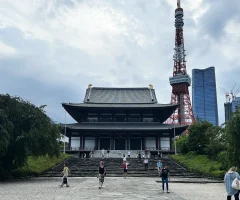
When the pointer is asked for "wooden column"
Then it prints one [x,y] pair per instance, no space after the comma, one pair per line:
[111,143]
[83,142]
[143,143]
[69,141]
[96,143]
[171,142]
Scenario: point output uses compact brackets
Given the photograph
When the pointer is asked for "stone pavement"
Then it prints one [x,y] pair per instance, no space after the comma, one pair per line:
[132,188]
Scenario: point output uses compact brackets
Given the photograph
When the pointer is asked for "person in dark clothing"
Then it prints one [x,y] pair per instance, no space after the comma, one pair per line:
[165,177]
[108,151]
[139,156]
[101,174]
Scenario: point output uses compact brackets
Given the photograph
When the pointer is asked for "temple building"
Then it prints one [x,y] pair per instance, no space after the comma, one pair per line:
[121,119]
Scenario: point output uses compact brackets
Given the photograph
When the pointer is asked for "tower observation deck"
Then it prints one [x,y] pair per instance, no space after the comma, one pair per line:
[180,81]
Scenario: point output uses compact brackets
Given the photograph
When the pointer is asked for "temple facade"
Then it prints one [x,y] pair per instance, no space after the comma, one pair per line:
[120,119]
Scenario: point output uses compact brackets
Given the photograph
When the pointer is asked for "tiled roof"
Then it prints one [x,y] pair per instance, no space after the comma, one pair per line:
[120,95]
[120,105]
[124,126]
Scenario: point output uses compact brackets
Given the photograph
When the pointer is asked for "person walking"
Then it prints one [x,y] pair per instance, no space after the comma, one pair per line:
[101,174]
[124,158]
[103,152]
[159,166]
[129,154]
[125,168]
[145,161]
[65,173]
[165,177]
[108,151]
[228,180]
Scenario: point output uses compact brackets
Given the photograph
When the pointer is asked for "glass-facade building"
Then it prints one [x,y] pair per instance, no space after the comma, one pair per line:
[231,107]
[228,111]
[235,104]
[204,95]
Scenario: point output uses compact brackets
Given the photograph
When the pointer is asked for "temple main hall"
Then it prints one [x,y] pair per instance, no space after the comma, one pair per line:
[121,119]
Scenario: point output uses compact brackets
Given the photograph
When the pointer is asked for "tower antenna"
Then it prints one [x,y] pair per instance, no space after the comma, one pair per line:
[178,3]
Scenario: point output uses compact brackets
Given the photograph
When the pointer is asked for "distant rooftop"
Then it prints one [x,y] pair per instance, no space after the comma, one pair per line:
[108,95]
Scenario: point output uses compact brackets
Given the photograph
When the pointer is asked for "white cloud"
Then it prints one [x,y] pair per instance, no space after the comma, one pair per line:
[6,50]
[110,43]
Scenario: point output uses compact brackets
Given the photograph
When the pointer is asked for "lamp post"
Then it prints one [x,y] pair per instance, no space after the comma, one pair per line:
[65,132]
[175,143]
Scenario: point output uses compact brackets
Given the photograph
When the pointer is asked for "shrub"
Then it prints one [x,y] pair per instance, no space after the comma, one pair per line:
[38,165]
[200,164]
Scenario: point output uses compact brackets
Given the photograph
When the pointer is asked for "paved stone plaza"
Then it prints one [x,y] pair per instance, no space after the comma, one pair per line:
[113,188]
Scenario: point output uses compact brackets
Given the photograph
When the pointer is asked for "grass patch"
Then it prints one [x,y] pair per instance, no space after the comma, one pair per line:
[38,165]
[200,164]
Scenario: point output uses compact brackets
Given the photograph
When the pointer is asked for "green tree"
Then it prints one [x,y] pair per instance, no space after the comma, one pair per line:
[198,139]
[216,141]
[232,139]
[24,130]
[182,144]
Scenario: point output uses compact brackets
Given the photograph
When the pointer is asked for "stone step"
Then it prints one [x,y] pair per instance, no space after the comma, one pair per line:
[88,168]
[119,175]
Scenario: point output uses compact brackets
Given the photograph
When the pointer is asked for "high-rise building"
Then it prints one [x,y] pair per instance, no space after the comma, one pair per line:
[204,95]
[228,110]
[235,104]
[231,107]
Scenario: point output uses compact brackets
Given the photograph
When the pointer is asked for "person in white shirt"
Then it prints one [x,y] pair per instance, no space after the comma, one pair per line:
[65,173]
[145,161]
[124,158]
[103,152]
[129,154]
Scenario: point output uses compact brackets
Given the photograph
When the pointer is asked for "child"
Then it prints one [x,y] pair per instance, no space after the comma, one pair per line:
[125,168]
[65,175]
[159,166]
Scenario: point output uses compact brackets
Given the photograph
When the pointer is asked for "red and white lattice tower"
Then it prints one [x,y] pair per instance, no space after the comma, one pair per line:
[180,81]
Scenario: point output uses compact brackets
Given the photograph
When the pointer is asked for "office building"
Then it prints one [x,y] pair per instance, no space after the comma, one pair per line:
[204,95]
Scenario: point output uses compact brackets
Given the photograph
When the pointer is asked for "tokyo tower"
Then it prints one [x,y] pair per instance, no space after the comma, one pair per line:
[180,81]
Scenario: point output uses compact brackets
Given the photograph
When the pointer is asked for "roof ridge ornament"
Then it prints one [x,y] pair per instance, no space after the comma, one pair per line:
[150,90]
[90,88]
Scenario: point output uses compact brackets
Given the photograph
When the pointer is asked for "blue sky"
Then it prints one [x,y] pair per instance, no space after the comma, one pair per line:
[51,50]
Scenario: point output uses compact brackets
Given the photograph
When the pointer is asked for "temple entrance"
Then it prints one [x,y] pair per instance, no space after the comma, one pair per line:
[135,144]
[104,143]
[120,144]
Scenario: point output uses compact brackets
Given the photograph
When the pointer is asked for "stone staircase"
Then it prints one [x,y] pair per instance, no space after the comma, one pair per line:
[115,153]
[88,168]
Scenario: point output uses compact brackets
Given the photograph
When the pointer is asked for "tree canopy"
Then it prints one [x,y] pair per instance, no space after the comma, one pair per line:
[218,143]
[198,139]
[232,130]
[24,130]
